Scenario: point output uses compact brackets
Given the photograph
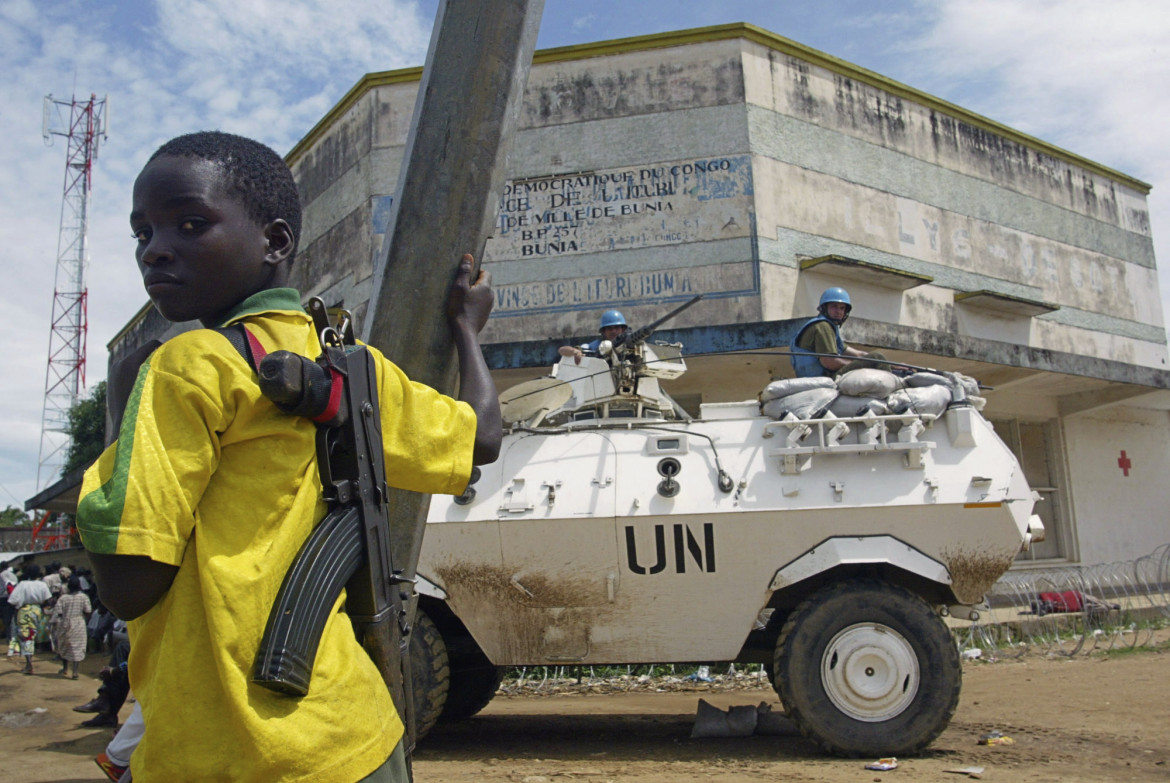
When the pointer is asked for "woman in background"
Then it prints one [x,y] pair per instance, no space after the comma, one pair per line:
[26,598]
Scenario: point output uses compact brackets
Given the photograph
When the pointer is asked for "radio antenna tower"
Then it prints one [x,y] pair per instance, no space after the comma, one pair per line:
[83,124]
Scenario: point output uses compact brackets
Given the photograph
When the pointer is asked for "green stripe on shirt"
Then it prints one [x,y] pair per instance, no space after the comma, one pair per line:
[99,514]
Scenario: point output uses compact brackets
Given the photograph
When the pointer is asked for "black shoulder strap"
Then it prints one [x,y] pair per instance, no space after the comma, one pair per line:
[244,342]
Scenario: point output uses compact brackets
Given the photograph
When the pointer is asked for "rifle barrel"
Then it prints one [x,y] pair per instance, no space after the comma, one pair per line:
[645,331]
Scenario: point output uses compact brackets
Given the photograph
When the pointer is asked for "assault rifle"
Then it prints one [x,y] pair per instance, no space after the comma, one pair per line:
[350,547]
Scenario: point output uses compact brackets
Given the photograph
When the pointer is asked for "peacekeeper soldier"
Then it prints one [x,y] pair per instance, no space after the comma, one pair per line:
[822,335]
[613,326]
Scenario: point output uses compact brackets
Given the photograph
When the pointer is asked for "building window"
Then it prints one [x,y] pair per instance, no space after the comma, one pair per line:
[1037,447]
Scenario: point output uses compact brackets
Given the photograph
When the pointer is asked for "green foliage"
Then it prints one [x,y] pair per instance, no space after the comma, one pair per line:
[87,430]
[14,517]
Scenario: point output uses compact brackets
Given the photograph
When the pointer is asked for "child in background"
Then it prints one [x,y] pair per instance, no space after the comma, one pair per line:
[69,618]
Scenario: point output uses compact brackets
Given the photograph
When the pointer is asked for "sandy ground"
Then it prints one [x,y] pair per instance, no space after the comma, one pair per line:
[1083,720]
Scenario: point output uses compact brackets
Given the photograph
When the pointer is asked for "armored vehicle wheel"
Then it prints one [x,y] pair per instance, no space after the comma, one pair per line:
[471,691]
[429,673]
[868,669]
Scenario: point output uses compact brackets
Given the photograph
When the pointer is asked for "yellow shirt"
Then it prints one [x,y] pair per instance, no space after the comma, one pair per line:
[209,476]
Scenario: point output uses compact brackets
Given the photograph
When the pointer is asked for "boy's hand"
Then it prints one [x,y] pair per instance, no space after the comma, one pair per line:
[121,382]
[468,308]
[470,302]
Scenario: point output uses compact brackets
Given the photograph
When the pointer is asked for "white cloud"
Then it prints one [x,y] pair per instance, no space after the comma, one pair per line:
[582,23]
[1087,72]
[265,69]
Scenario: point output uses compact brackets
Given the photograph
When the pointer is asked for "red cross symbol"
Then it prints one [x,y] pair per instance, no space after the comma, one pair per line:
[1124,463]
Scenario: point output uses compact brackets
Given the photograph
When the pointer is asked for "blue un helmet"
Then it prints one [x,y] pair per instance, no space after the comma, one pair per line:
[832,295]
[612,318]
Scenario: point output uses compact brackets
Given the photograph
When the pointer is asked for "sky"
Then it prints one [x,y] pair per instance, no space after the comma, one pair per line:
[1090,77]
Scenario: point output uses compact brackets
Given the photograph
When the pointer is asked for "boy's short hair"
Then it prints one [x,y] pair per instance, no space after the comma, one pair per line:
[254,172]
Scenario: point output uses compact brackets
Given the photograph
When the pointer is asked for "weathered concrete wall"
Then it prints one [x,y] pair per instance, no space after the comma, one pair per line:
[146,326]
[851,169]
[346,181]
[596,240]
[656,81]
[632,188]
[643,177]
[1119,501]
[788,86]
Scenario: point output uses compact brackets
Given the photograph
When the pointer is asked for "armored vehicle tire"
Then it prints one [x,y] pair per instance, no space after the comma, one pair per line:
[471,690]
[868,669]
[430,674]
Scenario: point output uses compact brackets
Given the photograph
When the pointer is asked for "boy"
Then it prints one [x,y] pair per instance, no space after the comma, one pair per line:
[194,514]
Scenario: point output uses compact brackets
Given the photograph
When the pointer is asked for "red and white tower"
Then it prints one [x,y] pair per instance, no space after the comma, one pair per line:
[83,124]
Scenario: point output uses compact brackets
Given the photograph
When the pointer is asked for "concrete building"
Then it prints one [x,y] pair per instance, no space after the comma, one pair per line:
[735,163]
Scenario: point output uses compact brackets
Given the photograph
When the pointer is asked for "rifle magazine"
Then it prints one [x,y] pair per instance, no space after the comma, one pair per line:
[326,561]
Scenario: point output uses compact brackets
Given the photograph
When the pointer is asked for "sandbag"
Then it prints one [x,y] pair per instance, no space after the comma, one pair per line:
[710,721]
[899,401]
[869,382]
[786,386]
[923,400]
[848,406]
[970,385]
[919,379]
[803,405]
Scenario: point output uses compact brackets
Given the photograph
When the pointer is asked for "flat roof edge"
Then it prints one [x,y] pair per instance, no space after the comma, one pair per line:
[723,32]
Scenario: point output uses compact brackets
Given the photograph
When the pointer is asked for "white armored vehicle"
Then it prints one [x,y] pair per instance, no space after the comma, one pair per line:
[616,529]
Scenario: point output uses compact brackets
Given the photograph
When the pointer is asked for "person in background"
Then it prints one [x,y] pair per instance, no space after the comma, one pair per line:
[114,761]
[8,581]
[53,577]
[69,621]
[59,587]
[822,335]
[115,687]
[101,623]
[613,326]
[27,598]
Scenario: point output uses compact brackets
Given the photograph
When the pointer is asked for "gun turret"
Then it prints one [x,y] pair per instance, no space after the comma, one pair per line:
[640,334]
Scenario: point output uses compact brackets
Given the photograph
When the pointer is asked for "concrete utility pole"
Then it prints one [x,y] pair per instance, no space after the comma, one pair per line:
[448,193]
[468,104]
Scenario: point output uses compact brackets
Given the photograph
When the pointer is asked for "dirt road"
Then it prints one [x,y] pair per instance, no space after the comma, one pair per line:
[1082,720]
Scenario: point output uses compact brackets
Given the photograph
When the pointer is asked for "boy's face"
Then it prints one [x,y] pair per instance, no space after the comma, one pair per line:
[199,251]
